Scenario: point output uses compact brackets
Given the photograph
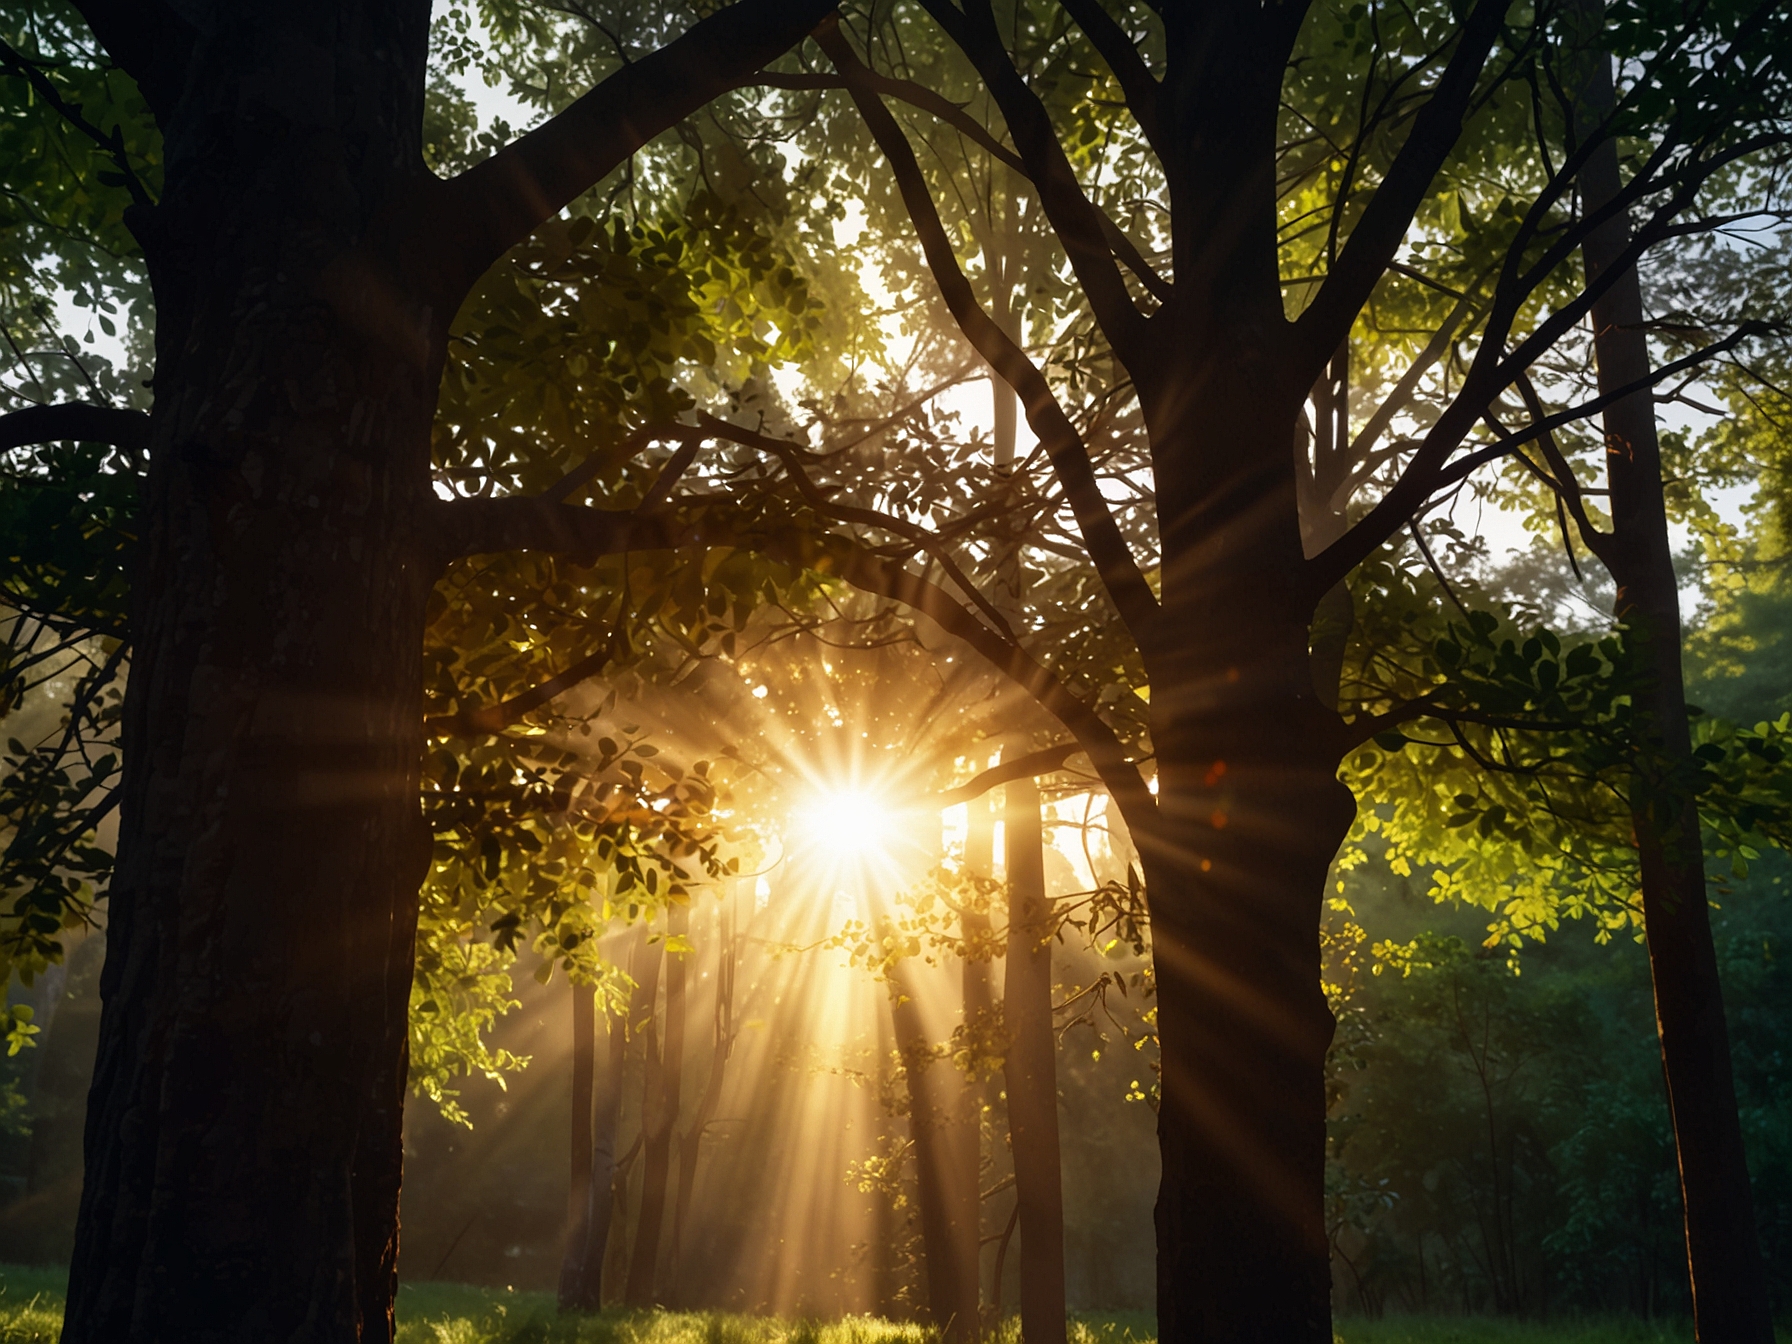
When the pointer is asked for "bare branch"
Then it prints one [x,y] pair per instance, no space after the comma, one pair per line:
[1021,767]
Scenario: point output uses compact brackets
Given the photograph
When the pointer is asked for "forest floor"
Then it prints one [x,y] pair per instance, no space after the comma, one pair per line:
[449,1313]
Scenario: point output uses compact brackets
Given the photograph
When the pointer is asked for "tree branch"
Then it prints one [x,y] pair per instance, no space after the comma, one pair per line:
[1074,218]
[491,719]
[922,538]
[1064,448]
[462,527]
[22,66]
[1117,49]
[924,99]
[466,224]
[1094,737]
[1021,767]
[1385,220]
[73,421]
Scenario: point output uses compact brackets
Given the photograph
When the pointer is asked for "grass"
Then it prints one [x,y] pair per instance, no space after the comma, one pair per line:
[452,1313]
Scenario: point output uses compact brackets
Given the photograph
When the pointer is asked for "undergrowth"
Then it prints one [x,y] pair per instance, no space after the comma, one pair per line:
[449,1313]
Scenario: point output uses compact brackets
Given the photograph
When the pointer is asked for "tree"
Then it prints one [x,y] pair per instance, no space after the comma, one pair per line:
[1030,1069]
[1285,230]
[244,1129]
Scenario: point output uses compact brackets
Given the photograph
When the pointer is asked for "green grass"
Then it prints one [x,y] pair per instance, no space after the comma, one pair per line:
[452,1313]
[30,1304]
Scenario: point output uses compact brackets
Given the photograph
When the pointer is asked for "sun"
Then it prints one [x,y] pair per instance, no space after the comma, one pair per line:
[846,824]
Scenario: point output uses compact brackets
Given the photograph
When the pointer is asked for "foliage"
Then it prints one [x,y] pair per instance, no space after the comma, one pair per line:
[1500,1142]
[1517,759]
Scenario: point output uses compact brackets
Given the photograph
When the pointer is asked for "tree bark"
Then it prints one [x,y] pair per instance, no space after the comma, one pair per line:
[1250,815]
[243,1142]
[578,1186]
[659,1118]
[1729,1282]
[1031,1071]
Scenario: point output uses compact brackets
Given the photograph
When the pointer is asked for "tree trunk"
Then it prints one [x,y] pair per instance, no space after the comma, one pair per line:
[935,1088]
[578,1187]
[979,1023]
[1243,1029]
[606,1112]
[658,1119]
[690,1143]
[1729,1285]
[1250,815]
[1031,1071]
[243,1141]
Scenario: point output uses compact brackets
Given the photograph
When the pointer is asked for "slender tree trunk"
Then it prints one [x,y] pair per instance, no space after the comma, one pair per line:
[578,1186]
[981,1027]
[690,1143]
[643,1027]
[949,1245]
[606,1112]
[658,1120]
[1729,1284]
[1031,1071]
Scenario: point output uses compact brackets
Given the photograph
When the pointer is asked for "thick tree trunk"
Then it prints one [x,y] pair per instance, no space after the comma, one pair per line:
[658,1121]
[935,1088]
[243,1140]
[1250,815]
[1729,1283]
[1243,1029]
[1031,1071]
[578,1186]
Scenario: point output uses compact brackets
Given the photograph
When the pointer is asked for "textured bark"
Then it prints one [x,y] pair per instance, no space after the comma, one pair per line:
[243,1131]
[578,1185]
[658,1121]
[243,1140]
[1031,1071]
[1729,1282]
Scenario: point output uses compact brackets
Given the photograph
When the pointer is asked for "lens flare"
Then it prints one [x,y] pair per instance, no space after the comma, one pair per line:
[846,824]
